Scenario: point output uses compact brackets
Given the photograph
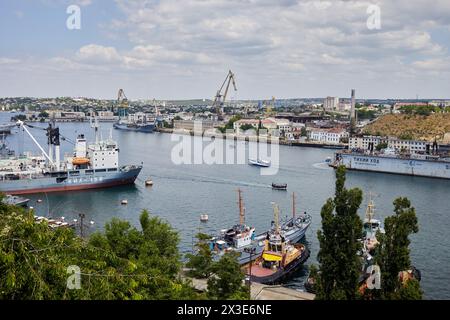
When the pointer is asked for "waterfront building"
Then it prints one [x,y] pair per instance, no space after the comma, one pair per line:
[189,124]
[61,115]
[331,135]
[364,143]
[106,116]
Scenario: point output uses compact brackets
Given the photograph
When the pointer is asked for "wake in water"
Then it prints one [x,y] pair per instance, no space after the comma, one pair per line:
[322,166]
[206,179]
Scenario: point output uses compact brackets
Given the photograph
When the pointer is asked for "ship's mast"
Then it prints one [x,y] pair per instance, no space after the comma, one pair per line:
[293,205]
[370,208]
[241,208]
[94,125]
[276,214]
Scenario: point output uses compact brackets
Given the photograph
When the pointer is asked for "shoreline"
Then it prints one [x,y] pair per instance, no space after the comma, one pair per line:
[257,139]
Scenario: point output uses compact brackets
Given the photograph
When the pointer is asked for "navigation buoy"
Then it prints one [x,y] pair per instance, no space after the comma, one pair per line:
[124,202]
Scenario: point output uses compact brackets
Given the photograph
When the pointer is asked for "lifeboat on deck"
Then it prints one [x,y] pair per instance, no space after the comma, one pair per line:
[80,161]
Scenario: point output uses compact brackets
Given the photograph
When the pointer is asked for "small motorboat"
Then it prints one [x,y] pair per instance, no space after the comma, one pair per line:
[204,217]
[124,202]
[328,160]
[279,186]
[15,201]
[149,182]
[259,163]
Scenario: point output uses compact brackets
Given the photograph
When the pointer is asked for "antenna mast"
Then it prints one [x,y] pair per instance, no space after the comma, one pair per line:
[241,208]
[276,213]
[293,205]
[370,208]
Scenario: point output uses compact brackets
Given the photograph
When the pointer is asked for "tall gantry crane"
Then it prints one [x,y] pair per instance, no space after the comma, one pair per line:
[220,98]
[122,103]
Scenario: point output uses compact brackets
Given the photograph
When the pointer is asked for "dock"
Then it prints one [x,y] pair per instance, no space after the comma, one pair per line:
[264,292]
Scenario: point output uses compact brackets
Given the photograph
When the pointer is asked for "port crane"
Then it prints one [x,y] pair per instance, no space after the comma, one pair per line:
[122,103]
[220,97]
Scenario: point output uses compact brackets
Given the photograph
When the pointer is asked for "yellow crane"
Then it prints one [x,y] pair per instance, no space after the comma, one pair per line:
[270,106]
[220,97]
[122,102]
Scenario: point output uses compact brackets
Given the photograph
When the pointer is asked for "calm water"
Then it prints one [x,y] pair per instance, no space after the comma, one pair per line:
[182,192]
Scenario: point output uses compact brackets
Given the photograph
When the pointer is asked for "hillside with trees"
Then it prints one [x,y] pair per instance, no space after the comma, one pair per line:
[411,126]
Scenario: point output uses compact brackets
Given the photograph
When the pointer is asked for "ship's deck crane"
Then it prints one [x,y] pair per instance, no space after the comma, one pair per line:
[220,98]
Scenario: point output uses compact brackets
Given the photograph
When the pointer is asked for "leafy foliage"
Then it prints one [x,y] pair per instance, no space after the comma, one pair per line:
[200,263]
[226,281]
[393,254]
[122,263]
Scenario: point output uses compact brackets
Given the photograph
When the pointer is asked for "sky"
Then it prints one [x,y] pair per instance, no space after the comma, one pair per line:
[183,49]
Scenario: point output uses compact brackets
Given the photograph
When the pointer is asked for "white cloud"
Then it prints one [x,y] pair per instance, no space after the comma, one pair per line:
[94,54]
[290,47]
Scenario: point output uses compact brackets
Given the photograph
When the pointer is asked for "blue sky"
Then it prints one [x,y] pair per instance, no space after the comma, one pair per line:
[169,49]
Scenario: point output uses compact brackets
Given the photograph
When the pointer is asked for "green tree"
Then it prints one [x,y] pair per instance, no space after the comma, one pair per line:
[246,127]
[381,146]
[339,265]
[304,132]
[201,262]
[121,263]
[394,252]
[226,282]
[43,114]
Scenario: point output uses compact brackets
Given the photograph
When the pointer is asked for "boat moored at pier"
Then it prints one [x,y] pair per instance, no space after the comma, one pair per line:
[423,165]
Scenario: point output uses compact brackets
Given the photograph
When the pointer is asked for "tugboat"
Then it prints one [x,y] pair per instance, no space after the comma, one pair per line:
[241,237]
[259,163]
[279,258]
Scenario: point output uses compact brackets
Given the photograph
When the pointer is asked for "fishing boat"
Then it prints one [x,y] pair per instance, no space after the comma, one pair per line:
[371,226]
[259,163]
[237,238]
[279,259]
[279,186]
[294,229]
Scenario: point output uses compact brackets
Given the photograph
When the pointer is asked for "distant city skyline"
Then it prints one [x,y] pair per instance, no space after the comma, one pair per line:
[177,50]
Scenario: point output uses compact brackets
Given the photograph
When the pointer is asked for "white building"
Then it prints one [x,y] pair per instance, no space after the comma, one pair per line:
[106,116]
[412,146]
[331,103]
[332,136]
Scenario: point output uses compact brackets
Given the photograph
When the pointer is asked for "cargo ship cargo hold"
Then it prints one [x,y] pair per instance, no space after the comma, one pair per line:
[94,165]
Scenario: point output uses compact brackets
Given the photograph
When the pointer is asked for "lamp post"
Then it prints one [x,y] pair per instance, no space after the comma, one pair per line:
[250,251]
